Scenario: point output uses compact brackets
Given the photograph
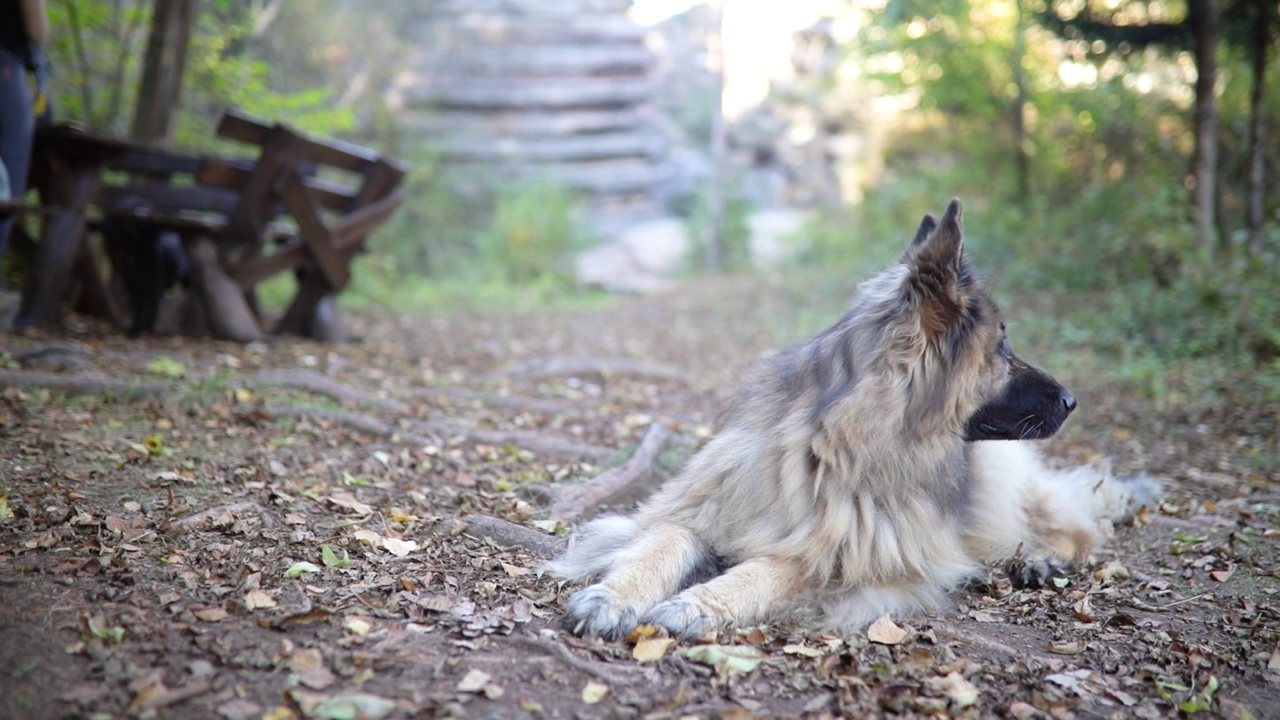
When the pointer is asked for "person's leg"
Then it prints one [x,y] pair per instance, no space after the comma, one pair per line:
[16,127]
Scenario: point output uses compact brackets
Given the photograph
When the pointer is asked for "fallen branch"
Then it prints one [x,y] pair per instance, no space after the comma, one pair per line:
[314,382]
[527,439]
[573,502]
[80,385]
[507,533]
[560,366]
[173,697]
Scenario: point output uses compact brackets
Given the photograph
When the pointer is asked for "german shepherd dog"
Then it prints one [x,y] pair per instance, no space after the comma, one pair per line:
[846,483]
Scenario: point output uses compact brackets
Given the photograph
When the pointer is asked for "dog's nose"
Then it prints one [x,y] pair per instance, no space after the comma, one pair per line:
[1068,401]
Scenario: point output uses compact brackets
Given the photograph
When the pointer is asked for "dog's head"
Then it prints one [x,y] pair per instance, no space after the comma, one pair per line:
[967,371]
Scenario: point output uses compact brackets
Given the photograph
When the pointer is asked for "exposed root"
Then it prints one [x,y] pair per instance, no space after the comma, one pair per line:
[573,502]
[80,385]
[314,382]
[561,366]
[507,533]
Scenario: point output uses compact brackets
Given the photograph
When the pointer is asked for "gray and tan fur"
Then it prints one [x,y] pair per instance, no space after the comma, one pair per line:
[843,483]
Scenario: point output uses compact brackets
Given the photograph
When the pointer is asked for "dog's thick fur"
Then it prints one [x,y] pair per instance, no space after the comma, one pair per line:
[847,482]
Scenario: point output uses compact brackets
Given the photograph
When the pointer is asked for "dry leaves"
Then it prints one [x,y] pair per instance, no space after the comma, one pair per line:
[886,632]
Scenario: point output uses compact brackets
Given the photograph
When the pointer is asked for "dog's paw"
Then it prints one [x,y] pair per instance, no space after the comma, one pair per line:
[682,617]
[1037,571]
[596,611]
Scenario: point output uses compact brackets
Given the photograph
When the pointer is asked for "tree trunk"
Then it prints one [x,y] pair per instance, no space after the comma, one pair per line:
[1257,122]
[1204,26]
[160,91]
[1021,141]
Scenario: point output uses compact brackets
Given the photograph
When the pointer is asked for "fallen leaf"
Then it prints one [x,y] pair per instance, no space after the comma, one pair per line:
[1023,711]
[515,570]
[651,649]
[737,658]
[959,691]
[1070,679]
[213,614]
[358,625]
[1222,575]
[300,567]
[1274,662]
[311,669]
[802,650]
[354,705]
[1068,647]
[753,636]
[398,547]
[594,692]
[331,559]
[349,501]
[643,630]
[6,513]
[474,681]
[886,632]
[255,599]
[1113,570]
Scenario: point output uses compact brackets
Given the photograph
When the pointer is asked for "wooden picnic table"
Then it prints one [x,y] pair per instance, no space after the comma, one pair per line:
[303,204]
[66,171]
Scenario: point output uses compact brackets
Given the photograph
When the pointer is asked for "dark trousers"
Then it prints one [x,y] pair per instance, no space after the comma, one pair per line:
[16,128]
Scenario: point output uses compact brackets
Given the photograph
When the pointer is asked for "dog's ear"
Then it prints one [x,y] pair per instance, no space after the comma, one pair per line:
[938,276]
[927,225]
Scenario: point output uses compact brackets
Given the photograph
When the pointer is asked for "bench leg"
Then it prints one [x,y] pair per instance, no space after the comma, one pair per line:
[228,314]
[313,312]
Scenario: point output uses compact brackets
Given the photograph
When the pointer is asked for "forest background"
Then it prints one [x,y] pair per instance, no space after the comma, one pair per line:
[1117,159]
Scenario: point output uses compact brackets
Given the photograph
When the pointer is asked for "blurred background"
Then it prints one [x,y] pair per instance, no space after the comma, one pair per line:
[1118,159]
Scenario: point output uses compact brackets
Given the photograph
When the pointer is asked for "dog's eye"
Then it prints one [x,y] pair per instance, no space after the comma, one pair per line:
[1004,349]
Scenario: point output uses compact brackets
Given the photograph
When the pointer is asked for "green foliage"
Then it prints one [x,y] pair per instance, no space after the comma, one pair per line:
[532,236]
[735,233]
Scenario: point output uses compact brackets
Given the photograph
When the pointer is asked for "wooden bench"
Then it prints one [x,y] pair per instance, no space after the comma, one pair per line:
[303,204]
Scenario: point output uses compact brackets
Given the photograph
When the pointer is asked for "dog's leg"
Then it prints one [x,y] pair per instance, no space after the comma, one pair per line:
[746,593]
[653,567]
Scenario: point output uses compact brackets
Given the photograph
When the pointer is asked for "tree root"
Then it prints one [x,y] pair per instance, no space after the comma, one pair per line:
[314,382]
[575,501]
[561,366]
[80,385]
[561,653]
[507,533]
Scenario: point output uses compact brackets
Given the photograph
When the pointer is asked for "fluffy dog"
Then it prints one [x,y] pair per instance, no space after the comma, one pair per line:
[869,470]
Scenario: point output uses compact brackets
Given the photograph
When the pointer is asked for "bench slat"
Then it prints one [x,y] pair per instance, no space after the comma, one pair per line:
[235,174]
[245,128]
[170,199]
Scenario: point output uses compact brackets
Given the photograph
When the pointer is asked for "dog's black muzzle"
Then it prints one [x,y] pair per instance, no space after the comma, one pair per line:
[1033,406]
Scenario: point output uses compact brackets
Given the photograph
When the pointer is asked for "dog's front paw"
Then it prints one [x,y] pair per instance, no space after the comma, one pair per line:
[1037,571]
[682,617]
[595,610]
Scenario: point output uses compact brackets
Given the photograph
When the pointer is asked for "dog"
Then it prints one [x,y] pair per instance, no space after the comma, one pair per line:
[867,471]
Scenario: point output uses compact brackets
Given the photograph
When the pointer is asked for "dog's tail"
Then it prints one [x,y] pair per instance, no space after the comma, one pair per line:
[593,550]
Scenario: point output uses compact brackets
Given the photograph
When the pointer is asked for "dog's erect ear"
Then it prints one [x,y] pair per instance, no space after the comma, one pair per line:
[938,277]
[927,225]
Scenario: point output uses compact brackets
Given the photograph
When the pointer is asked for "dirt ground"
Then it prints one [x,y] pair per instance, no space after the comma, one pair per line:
[194,529]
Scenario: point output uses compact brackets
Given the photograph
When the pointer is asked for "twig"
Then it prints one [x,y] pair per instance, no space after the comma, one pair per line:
[573,502]
[561,366]
[508,533]
[562,653]
[314,382]
[173,697]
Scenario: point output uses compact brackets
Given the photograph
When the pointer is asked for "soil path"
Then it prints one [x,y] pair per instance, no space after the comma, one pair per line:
[194,529]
